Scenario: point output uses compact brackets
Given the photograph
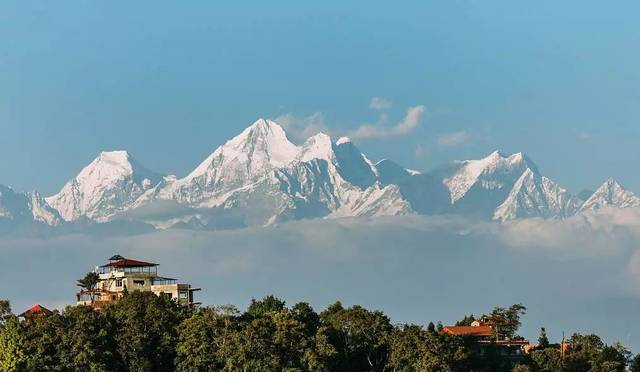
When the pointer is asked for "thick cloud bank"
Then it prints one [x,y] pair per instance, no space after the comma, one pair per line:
[580,274]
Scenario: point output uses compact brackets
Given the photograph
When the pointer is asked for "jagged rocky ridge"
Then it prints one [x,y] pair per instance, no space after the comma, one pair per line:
[261,178]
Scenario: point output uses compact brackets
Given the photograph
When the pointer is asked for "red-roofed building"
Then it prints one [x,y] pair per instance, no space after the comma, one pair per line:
[488,342]
[34,312]
[121,274]
[125,262]
[476,329]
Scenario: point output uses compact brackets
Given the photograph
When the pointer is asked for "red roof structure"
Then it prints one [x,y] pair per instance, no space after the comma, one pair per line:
[125,262]
[36,311]
[479,331]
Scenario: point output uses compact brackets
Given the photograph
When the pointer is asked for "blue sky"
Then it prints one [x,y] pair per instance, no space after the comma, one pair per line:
[170,81]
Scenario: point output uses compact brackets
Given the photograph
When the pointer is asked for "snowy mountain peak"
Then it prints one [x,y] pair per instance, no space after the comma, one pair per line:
[262,123]
[103,187]
[265,130]
[108,164]
[491,162]
[317,147]
[517,157]
[261,127]
[610,193]
[243,160]
[260,147]
[497,169]
[500,157]
[260,177]
[265,127]
[612,183]
[113,166]
[496,154]
[536,196]
[116,157]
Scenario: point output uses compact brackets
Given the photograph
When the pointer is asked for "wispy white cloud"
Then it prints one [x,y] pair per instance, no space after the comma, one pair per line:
[411,121]
[380,104]
[454,139]
[301,128]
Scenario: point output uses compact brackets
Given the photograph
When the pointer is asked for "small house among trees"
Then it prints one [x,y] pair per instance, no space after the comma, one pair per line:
[35,312]
[494,335]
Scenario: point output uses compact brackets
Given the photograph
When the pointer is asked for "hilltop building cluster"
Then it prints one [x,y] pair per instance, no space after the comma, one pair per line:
[117,278]
[485,336]
[113,280]
[121,275]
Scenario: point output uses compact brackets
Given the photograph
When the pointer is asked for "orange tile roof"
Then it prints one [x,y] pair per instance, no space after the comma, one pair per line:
[482,331]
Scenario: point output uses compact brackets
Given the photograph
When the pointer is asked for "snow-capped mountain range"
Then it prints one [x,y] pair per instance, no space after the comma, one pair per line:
[261,178]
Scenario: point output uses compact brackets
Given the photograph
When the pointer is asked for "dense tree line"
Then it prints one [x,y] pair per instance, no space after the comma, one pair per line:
[147,333]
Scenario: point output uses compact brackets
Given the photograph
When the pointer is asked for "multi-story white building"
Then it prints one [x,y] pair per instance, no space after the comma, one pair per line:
[122,275]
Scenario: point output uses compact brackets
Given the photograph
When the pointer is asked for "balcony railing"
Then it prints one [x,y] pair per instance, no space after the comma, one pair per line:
[136,269]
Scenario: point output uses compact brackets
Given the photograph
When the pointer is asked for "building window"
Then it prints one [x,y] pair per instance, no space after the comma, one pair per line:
[138,282]
[118,282]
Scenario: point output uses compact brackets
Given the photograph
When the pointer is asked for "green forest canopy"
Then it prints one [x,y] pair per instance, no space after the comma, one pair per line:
[147,333]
